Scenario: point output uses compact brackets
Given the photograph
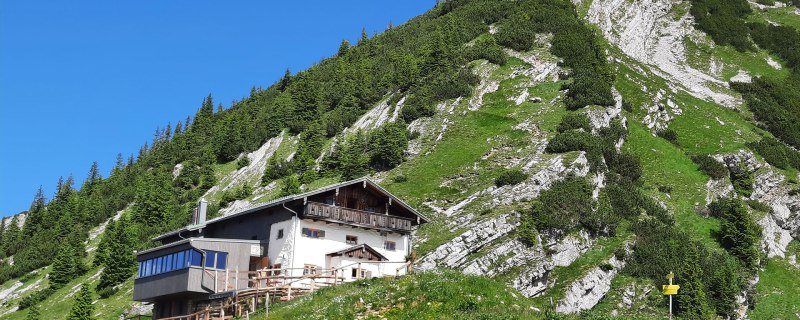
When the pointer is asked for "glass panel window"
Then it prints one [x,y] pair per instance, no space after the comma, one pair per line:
[222,260]
[169,264]
[210,255]
[181,259]
[158,265]
[390,245]
[148,269]
[196,259]
[351,239]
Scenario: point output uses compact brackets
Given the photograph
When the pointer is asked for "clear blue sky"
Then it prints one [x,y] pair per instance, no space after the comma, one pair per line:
[83,80]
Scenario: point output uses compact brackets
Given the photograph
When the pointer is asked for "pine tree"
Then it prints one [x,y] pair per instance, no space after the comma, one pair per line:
[291,185]
[102,254]
[64,266]
[343,47]
[36,214]
[155,200]
[2,236]
[11,237]
[121,263]
[92,178]
[364,37]
[33,313]
[283,84]
[82,307]
[354,157]
[693,301]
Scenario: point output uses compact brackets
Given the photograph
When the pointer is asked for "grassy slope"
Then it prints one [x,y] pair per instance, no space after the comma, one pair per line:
[445,295]
[58,305]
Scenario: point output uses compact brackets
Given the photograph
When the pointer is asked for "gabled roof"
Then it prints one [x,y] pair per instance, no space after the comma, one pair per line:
[361,251]
[300,196]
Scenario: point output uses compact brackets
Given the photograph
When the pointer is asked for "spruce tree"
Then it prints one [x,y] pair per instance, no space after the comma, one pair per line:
[11,237]
[82,307]
[64,266]
[33,313]
[121,262]
[36,214]
[102,254]
[285,80]
[291,185]
[343,47]
[155,200]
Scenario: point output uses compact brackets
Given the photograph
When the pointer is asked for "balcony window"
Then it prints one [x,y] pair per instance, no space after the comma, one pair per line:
[195,259]
[181,260]
[222,258]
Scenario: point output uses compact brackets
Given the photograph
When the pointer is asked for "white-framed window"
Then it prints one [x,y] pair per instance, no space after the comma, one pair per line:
[349,239]
[357,273]
[390,245]
[309,269]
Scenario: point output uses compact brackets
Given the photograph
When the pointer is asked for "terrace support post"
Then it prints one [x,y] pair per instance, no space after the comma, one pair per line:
[237,277]
[226,280]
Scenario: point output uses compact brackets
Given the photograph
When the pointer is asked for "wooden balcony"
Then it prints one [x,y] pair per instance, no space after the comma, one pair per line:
[315,210]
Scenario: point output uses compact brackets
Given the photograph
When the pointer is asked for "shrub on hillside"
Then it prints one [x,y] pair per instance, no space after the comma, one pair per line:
[562,207]
[776,153]
[517,33]
[668,134]
[710,166]
[742,180]
[573,121]
[739,233]
[416,107]
[510,177]
[570,141]
[724,21]
[487,48]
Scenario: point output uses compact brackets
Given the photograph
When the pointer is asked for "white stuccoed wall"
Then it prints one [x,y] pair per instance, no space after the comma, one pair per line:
[314,250]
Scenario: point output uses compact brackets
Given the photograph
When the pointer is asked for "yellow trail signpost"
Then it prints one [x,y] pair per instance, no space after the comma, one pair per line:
[670,290]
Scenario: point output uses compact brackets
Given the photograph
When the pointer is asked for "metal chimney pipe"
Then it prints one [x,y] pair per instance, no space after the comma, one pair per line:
[202,208]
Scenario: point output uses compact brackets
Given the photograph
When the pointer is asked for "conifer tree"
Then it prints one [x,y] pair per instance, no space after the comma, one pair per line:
[82,307]
[102,254]
[364,37]
[291,185]
[11,237]
[155,199]
[121,261]
[64,266]
[285,80]
[36,215]
[2,236]
[353,157]
[343,47]
[33,313]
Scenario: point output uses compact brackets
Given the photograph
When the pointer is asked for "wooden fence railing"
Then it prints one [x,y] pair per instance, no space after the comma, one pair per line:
[269,285]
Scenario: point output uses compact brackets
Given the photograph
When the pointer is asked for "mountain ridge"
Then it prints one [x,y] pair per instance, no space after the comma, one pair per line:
[513,117]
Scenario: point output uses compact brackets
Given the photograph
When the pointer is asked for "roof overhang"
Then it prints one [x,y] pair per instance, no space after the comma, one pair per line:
[356,248]
[280,201]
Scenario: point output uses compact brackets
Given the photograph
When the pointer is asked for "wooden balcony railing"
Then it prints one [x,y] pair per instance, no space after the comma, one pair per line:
[357,217]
